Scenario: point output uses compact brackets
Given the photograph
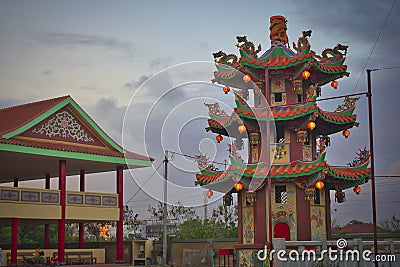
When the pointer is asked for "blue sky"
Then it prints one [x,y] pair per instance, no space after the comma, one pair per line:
[100,52]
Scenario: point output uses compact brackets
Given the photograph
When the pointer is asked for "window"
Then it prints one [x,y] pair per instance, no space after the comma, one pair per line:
[317,197]
[280,194]
[308,139]
[299,98]
[280,133]
[278,97]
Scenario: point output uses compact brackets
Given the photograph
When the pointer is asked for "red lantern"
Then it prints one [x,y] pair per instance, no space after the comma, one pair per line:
[334,84]
[241,128]
[226,89]
[346,133]
[311,125]
[305,74]
[246,78]
[209,193]
[219,138]
[238,186]
[357,189]
[319,185]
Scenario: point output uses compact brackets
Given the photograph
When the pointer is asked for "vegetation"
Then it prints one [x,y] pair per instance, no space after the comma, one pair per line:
[391,224]
[34,235]
[222,224]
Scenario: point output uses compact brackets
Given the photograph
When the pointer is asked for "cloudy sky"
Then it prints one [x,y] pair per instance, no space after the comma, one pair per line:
[100,52]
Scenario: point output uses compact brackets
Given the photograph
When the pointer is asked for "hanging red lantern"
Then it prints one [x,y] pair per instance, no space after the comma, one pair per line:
[241,128]
[305,74]
[346,133]
[357,189]
[319,185]
[246,78]
[209,193]
[238,186]
[311,125]
[334,84]
[219,138]
[226,89]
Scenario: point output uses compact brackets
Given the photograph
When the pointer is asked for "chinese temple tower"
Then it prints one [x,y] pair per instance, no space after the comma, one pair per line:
[284,188]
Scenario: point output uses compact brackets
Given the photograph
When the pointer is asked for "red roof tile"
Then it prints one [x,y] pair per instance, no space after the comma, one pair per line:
[12,118]
[358,228]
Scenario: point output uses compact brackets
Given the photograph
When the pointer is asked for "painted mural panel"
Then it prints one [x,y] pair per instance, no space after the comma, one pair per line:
[246,258]
[307,153]
[280,152]
[277,84]
[318,219]
[248,225]
[285,212]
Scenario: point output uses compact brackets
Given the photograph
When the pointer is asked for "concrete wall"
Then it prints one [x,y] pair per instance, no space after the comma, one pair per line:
[191,252]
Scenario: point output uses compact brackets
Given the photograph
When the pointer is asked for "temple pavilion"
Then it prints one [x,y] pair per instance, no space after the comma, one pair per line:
[287,136]
[57,138]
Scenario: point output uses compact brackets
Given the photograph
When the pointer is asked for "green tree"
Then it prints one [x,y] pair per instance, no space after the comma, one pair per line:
[176,214]
[131,224]
[228,215]
[391,224]
[201,229]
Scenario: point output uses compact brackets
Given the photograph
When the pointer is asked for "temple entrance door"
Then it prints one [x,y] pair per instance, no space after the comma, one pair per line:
[282,230]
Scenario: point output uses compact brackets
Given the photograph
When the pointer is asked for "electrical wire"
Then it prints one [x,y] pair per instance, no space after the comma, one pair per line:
[193,157]
[376,42]
[141,188]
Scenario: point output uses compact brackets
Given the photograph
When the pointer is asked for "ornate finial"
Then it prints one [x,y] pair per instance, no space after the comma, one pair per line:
[278,30]
[349,102]
[214,109]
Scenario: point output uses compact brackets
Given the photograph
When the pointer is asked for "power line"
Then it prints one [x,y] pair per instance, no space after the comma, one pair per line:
[373,47]
[386,68]
[141,188]
[193,157]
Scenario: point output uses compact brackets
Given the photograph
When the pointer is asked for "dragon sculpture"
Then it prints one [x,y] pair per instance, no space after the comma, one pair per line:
[302,43]
[360,158]
[215,109]
[246,46]
[333,54]
[226,59]
[349,102]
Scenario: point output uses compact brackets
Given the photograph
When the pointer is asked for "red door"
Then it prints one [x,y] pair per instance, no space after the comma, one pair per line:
[282,230]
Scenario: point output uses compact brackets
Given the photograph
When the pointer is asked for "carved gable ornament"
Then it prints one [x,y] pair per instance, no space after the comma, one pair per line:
[64,125]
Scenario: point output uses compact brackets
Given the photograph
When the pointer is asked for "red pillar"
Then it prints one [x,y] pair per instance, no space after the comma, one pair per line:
[47,226]
[260,218]
[14,242]
[81,224]
[328,214]
[120,223]
[14,236]
[61,222]
[240,229]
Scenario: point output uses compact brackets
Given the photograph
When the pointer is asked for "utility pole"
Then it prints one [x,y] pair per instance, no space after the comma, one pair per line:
[165,216]
[371,149]
[205,206]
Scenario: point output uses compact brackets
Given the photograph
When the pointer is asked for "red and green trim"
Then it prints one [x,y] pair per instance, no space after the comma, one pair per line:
[54,109]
